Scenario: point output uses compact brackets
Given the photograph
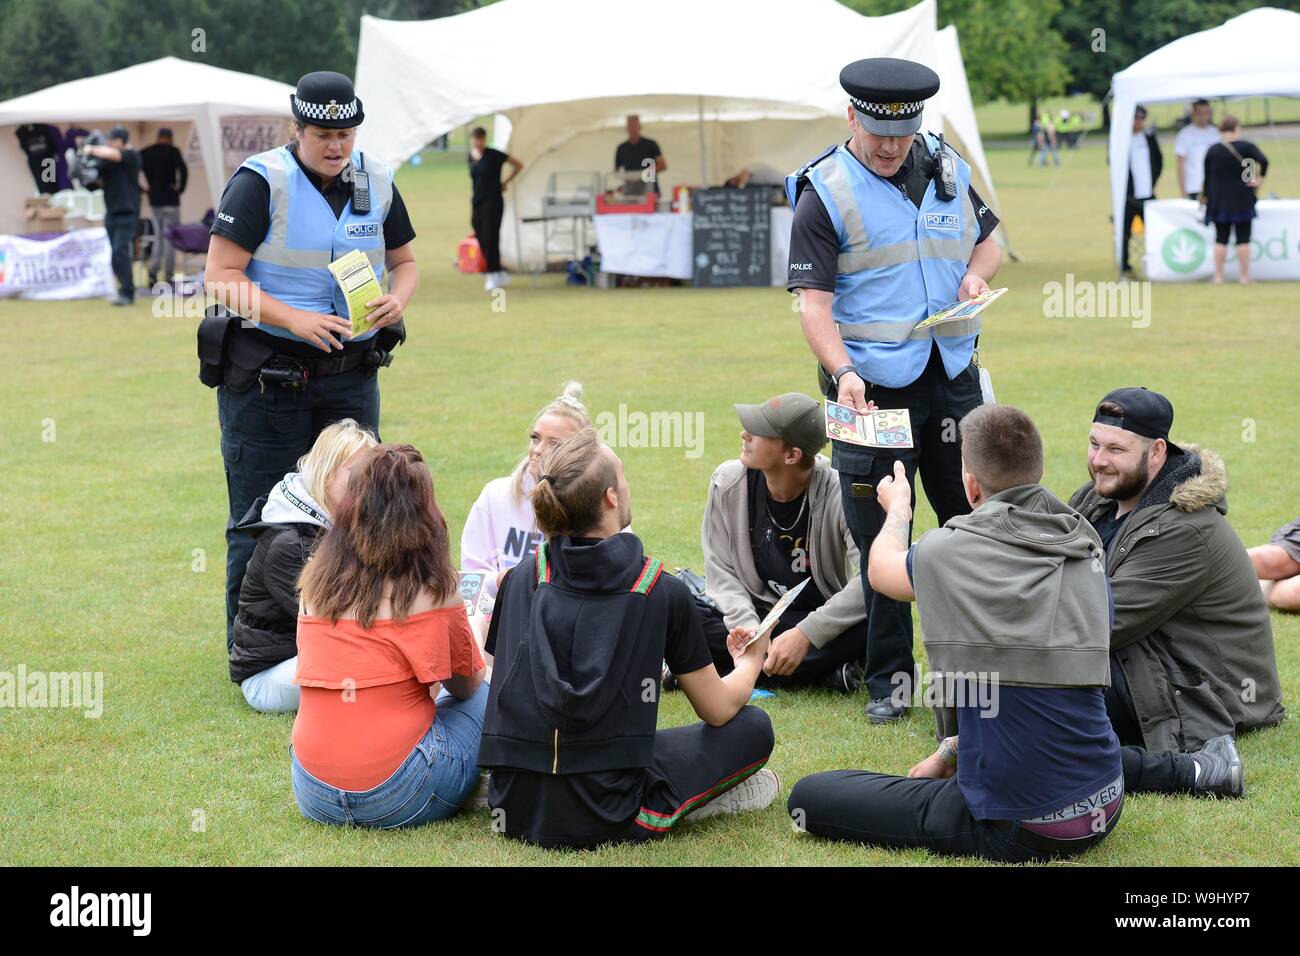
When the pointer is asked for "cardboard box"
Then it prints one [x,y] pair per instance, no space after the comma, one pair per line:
[33,202]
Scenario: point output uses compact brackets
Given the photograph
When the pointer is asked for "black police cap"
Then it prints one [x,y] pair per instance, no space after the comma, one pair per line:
[1146,413]
[888,93]
[327,99]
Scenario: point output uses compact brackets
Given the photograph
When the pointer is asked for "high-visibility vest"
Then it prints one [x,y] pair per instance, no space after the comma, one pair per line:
[897,265]
[304,236]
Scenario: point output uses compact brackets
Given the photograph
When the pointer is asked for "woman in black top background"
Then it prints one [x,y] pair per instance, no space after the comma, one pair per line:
[485,165]
[1233,171]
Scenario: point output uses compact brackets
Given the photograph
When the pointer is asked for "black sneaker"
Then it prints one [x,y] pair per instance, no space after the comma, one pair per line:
[846,678]
[883,710]
[1222,774]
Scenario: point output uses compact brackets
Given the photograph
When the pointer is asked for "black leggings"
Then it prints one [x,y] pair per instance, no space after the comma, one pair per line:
[1221,230]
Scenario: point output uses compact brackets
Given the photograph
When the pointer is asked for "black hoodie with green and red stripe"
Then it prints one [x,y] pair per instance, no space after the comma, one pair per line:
[579,637]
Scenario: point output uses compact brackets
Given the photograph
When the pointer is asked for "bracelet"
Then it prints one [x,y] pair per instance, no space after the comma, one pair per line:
[840,372]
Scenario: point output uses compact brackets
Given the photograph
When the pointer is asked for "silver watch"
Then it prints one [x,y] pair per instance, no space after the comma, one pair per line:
[948,752]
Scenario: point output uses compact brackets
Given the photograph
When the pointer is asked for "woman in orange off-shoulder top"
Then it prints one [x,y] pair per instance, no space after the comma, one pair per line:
[393,694]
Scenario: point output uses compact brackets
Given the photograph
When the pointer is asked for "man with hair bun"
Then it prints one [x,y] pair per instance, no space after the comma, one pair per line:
[580,633]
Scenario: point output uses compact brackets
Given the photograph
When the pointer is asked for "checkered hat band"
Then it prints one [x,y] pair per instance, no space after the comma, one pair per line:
[322,110]
[888,109]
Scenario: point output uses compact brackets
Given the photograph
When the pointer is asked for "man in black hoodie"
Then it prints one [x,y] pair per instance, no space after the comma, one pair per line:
[579,636]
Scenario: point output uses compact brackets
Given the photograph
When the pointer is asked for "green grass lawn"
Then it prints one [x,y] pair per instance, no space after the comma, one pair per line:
[999,119]
[112,554]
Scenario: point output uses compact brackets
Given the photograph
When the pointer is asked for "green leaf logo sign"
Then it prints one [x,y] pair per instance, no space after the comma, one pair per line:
[1183,250]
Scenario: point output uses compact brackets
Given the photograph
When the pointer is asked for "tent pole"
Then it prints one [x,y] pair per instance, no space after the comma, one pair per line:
[704,174]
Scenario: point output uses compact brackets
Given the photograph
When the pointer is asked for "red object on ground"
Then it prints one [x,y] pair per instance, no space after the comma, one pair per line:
[469,257]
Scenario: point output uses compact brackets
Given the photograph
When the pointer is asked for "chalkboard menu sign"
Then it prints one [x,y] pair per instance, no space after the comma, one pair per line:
[732,241]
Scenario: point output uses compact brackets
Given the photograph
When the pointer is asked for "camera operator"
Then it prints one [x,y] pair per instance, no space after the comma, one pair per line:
[120,176]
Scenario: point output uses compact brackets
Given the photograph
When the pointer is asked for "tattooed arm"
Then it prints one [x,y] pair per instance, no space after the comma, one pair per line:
[887,564]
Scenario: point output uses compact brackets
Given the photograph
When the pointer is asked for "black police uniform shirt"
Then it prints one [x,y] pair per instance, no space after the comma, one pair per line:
[814,243]
[165,172]
[121,182]
[485,175]
[244,215]
[632,156]
[778,538]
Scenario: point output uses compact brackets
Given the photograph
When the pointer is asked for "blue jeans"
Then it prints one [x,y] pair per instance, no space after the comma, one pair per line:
[273,691]
[432,783]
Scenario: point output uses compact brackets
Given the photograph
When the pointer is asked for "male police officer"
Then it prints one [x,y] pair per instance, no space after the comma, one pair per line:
[293,368]
[890,232]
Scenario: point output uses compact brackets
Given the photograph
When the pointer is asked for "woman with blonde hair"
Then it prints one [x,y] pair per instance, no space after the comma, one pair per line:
[501,529]
[286,523]
[392,679]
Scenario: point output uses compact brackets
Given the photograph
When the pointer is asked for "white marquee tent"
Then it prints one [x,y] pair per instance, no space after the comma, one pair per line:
[189,97]
[1254,54]
[720,86]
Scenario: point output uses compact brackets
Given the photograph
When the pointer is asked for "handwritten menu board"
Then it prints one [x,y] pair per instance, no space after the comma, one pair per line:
[732,241]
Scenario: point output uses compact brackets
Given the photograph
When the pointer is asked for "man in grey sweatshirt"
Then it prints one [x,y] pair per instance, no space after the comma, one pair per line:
[1015,616]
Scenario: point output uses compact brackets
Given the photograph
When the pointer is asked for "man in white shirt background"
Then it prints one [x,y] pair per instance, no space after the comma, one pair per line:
[1144,165]
[1190,145]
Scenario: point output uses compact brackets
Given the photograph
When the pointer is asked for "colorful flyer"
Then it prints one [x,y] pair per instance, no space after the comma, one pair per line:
[957,311]
[778,609]
[356,277]
[882,428]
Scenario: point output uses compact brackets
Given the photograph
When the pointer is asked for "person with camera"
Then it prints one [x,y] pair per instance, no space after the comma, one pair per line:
[280,349]
[119,176]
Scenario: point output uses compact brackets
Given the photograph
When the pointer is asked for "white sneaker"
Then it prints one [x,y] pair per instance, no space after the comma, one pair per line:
[503,279]
[490,282]
[753,793]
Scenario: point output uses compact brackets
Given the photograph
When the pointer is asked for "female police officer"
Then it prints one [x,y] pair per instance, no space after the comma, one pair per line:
[291,367]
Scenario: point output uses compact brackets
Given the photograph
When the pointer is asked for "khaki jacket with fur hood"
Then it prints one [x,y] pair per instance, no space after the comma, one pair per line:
[1192,632]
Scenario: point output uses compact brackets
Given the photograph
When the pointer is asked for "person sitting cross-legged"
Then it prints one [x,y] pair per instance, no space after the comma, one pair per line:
[578,635]
[1278,566]
[1015,617]
[774,519]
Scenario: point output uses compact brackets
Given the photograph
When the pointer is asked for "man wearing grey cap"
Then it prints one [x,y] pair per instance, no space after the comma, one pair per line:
[773,520]
[887,231]
[1191,646]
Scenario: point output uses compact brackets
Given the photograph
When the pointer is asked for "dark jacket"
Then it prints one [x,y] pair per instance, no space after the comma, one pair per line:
[1192,632]
[266,624]
[1227,197]
[574,656]
[1157,164]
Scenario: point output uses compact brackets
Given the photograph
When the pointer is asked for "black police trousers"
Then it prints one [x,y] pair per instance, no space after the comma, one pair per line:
[265,432]
[935,405]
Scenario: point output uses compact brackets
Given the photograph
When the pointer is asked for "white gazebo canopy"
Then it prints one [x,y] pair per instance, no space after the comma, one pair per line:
[1254,54]
[729,86]
[159,92]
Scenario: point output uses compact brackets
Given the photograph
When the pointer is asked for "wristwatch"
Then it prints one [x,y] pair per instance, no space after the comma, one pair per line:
[839,373]
[947,752]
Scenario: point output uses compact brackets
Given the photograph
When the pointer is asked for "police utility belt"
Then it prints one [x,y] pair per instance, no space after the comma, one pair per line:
[238,356]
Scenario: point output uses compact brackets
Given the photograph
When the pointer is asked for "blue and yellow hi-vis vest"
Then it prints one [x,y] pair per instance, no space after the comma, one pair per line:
[304,237]
[897,265]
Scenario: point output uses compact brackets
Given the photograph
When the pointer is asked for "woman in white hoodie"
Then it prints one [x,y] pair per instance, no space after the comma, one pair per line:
[286,523]
[501,530]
